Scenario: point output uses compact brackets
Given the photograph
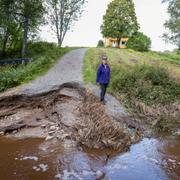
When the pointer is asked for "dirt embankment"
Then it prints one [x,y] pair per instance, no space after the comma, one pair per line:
[69,112]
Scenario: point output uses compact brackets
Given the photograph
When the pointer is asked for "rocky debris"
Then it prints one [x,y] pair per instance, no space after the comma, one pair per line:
[1,133]
[49,137]
[12,128]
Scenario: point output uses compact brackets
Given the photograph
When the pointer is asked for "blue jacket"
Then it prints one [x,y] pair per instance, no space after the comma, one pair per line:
[103,74]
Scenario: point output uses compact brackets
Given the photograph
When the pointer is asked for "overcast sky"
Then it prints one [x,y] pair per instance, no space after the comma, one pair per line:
[151,16]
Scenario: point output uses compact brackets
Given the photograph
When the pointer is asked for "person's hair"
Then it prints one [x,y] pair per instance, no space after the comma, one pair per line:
[104,57]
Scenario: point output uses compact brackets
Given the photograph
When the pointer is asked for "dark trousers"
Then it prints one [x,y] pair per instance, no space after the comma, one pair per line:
[103,91]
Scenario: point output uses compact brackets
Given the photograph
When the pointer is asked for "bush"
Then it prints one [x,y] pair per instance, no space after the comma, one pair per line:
[100,43]
[149,84]
[44,56]
[40,48]
[139,42]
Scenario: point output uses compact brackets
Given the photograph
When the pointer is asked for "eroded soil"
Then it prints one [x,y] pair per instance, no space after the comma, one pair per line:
[68,113]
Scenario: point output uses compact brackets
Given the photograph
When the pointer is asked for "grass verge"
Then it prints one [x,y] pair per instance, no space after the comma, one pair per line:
[44,56]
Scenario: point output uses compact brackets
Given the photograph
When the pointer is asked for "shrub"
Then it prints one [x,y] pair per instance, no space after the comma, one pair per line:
[139,42]
[100,43]
[150,84]
[40,47]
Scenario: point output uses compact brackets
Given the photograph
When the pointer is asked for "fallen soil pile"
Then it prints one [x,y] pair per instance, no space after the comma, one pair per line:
[69,112]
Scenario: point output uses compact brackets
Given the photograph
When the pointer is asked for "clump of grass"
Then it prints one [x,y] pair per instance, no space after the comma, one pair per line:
[44,56]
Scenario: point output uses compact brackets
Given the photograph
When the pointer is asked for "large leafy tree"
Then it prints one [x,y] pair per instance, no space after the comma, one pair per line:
[8,24]
[173,24]
[120,19]
[17,20]
[29,15]
[62,14]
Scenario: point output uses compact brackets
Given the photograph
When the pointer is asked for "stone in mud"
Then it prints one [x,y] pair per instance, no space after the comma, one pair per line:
[53,128]
[1,133]
[51,132]
[15,131]
[99,175]
[43,126]
[49,138]
[64,136]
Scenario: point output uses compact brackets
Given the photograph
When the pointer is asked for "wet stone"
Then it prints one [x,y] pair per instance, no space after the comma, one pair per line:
[49,138]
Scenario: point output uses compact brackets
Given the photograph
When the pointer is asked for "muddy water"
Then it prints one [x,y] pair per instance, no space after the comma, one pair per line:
[151,159]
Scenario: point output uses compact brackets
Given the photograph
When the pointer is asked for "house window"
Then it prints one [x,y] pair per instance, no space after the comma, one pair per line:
[123,43]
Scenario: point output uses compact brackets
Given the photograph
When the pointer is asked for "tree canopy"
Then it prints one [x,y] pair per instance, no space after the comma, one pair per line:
[17,20]
[139,42]
[62,14]
[173,24]
[120,19]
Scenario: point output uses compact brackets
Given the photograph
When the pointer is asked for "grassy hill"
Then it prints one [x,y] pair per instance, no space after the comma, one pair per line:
[147,82]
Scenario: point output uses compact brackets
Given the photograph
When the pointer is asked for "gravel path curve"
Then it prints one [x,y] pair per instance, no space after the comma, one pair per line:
[68,69]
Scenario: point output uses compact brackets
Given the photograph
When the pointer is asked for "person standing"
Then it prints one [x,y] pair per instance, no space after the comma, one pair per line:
[103,76]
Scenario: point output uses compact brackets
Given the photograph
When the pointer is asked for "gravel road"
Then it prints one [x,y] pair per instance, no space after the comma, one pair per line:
[68,69]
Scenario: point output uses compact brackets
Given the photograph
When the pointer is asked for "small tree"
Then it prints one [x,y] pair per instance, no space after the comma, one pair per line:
[173,24]
[62,14]
[120,20]
[139,42]
[100,43]
[30,15]
[8,24]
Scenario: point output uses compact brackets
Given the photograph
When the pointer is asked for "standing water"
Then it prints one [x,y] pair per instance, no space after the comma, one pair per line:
[34,159]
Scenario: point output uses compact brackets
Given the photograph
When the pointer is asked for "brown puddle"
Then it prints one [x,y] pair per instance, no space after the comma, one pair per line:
[151,159]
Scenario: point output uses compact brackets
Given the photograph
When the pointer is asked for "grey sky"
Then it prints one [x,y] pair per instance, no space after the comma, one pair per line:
[86,32]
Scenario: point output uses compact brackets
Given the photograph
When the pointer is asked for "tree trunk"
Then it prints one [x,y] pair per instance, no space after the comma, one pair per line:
[119,41]
[15,38]
[59,42]
[25,37]
[5,43]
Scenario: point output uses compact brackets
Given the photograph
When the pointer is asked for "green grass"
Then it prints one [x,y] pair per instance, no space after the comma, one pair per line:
[44,56]
[138,76]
